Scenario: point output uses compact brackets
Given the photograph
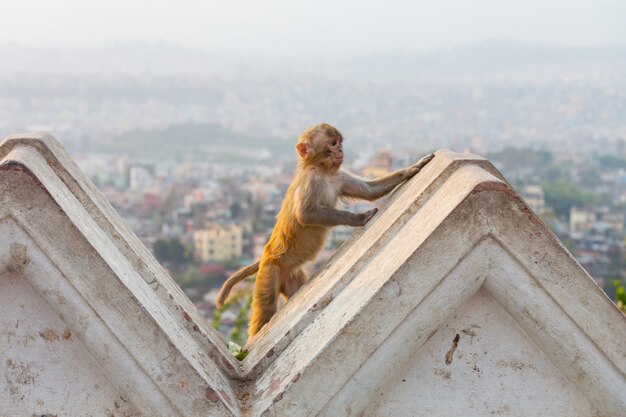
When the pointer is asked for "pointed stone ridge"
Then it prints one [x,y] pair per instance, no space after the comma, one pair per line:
[62,243]
[455,299]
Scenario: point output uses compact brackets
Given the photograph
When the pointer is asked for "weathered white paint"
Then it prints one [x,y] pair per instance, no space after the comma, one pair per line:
[492,369]
[127,312]
[454,251]
[46,369]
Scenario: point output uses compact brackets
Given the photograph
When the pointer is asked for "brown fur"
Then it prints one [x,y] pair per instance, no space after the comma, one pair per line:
[307,212]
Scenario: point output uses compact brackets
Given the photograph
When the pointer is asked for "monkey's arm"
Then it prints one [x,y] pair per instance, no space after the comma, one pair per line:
[323,216]
[311,207]
[355,187]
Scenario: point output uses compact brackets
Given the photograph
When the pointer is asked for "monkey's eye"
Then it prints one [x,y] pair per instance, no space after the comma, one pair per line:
[333,143]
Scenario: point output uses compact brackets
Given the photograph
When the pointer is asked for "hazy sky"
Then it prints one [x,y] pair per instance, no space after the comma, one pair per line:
[303,27]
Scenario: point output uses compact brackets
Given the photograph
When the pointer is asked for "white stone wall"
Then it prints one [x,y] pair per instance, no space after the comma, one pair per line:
[455,300]
[46,369]
[491,368]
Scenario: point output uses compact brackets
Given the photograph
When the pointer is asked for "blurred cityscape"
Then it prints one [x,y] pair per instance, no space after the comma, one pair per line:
[195,151]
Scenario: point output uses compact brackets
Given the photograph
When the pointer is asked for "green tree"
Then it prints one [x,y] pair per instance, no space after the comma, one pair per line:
[552,173]
[189,278]
[177,251]
[242,301]
[235,209]
[241,321]
[257,216]
[171,250]
[561,195]
[160,248]
[620,295]
[590,177]
[611,162]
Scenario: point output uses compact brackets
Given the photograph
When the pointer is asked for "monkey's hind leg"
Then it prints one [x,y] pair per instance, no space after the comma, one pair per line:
[264,298]
[291,282]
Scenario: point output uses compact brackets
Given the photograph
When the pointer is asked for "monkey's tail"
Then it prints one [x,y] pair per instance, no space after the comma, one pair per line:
[238,276]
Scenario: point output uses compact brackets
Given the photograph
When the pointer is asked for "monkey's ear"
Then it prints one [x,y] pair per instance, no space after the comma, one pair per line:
[303,149]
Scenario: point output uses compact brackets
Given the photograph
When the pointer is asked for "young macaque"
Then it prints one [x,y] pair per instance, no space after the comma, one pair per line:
[307,213]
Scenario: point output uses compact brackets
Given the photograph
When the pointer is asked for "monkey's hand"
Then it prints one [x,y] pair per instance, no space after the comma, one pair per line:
[360,219]
[417,167]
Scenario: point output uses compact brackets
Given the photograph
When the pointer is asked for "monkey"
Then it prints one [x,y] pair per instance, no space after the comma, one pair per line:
[308,211]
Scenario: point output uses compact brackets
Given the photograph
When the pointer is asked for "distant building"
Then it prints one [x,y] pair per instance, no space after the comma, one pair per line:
[614,218]
[218,243]
[198,196]
[379,165]
[533,195]
[580,221]
[140,177]
[148,204]
[596,220]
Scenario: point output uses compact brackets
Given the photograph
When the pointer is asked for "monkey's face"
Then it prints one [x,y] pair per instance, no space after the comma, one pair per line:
[333,151]
[324,151]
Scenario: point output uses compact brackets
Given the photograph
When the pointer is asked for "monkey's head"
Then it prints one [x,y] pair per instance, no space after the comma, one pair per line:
[321,146]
